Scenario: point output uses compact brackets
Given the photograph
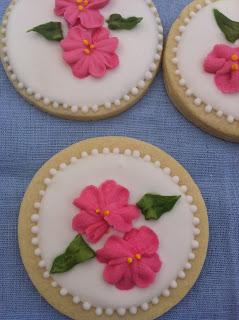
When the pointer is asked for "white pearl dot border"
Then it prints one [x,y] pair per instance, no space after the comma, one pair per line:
[134,92]
[129,153]
[182,83]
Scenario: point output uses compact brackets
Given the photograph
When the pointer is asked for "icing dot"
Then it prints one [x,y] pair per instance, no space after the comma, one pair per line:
[196,231]
[84,154]
[42,264]
[178,38]
[219,113]
[85,109]
[181,274]
[230,119]
[20,85]
[167,170]
[208,108]
[135,91]
[108,105]
[37,252]
[74,109]
[54,284]
[35,241]
[157,164]
[144,306]
[196,221]
[13,76]
[182,29]
[55,105]
[46,101]
[166,293]
[63,292]
[117,102]
[46,275]
[86,305]
[73,160]
[157,57]
[136,154]
[116,150]
[197,101]
[176,179]
[175,60]
[121,311]
[47,181]
[65,106]
[175,49]
[52,171]
[148,75]
[194,208]
[109,311]
[189,199]
[177,72]
[173,284]
[37,96]
[106,151]
[42,193]
[94,152]
[184,188]
[35,217]
[182,82]
[133,310]
[192,14]
[189,92]
[159,47]
[188,266]
[128,152]
[155,300]
[191,256]
[35,229]
[195,244]
[126,97]
[98,311]
[160,29]
[9,68]
[198,7]
[147,158]
[76,300]
[29,91]
[141,83]
[63,166]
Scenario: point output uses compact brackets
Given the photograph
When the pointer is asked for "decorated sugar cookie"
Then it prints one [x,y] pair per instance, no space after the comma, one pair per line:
[113,227]
[81,59]
[202,66]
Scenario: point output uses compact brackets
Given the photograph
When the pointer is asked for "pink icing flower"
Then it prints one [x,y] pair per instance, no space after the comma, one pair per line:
[90,52]
[132,260]
[84,11]
[223,61]
[102,208]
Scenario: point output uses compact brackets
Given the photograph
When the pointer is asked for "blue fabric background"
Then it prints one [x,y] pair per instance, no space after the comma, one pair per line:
[29,137]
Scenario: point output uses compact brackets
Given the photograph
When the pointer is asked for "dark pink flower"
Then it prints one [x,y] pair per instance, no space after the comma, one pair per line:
[90,52]
[132,260]
[102,208]
[223,61]
[85,12]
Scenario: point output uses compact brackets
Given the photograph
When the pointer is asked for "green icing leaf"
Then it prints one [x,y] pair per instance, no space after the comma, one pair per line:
[117,22]
[50,31]
[153,206]
[77,252]
[229,28]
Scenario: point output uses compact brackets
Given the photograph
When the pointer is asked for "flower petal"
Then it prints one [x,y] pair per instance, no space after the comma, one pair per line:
[61,5]
[126,282]
[111,193]
[213,64]
[79,34]
[71,14]
[83,220]
[107,45]
[98,4]
[96,231]
[224,51]
[88,199]
[143,276]
[100,34]
[97,68]
[228,83]
[114,248]
[72,56]
[153,262]
[118,223]
[143,240]
[113,274]
[110,60]
[91,19]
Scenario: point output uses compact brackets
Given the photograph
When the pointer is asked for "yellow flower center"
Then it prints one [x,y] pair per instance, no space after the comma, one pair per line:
[130,260]
[138,256]
[106,213]
[97,210]
[234,67]
[82,4]
[234,57]
[88,46]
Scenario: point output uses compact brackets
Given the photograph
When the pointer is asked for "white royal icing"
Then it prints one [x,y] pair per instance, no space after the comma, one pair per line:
[195,41]
[38,65]
[176,229]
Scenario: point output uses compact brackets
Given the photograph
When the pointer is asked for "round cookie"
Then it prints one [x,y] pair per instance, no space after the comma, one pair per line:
[38,72]
[49,218]
[205,95]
